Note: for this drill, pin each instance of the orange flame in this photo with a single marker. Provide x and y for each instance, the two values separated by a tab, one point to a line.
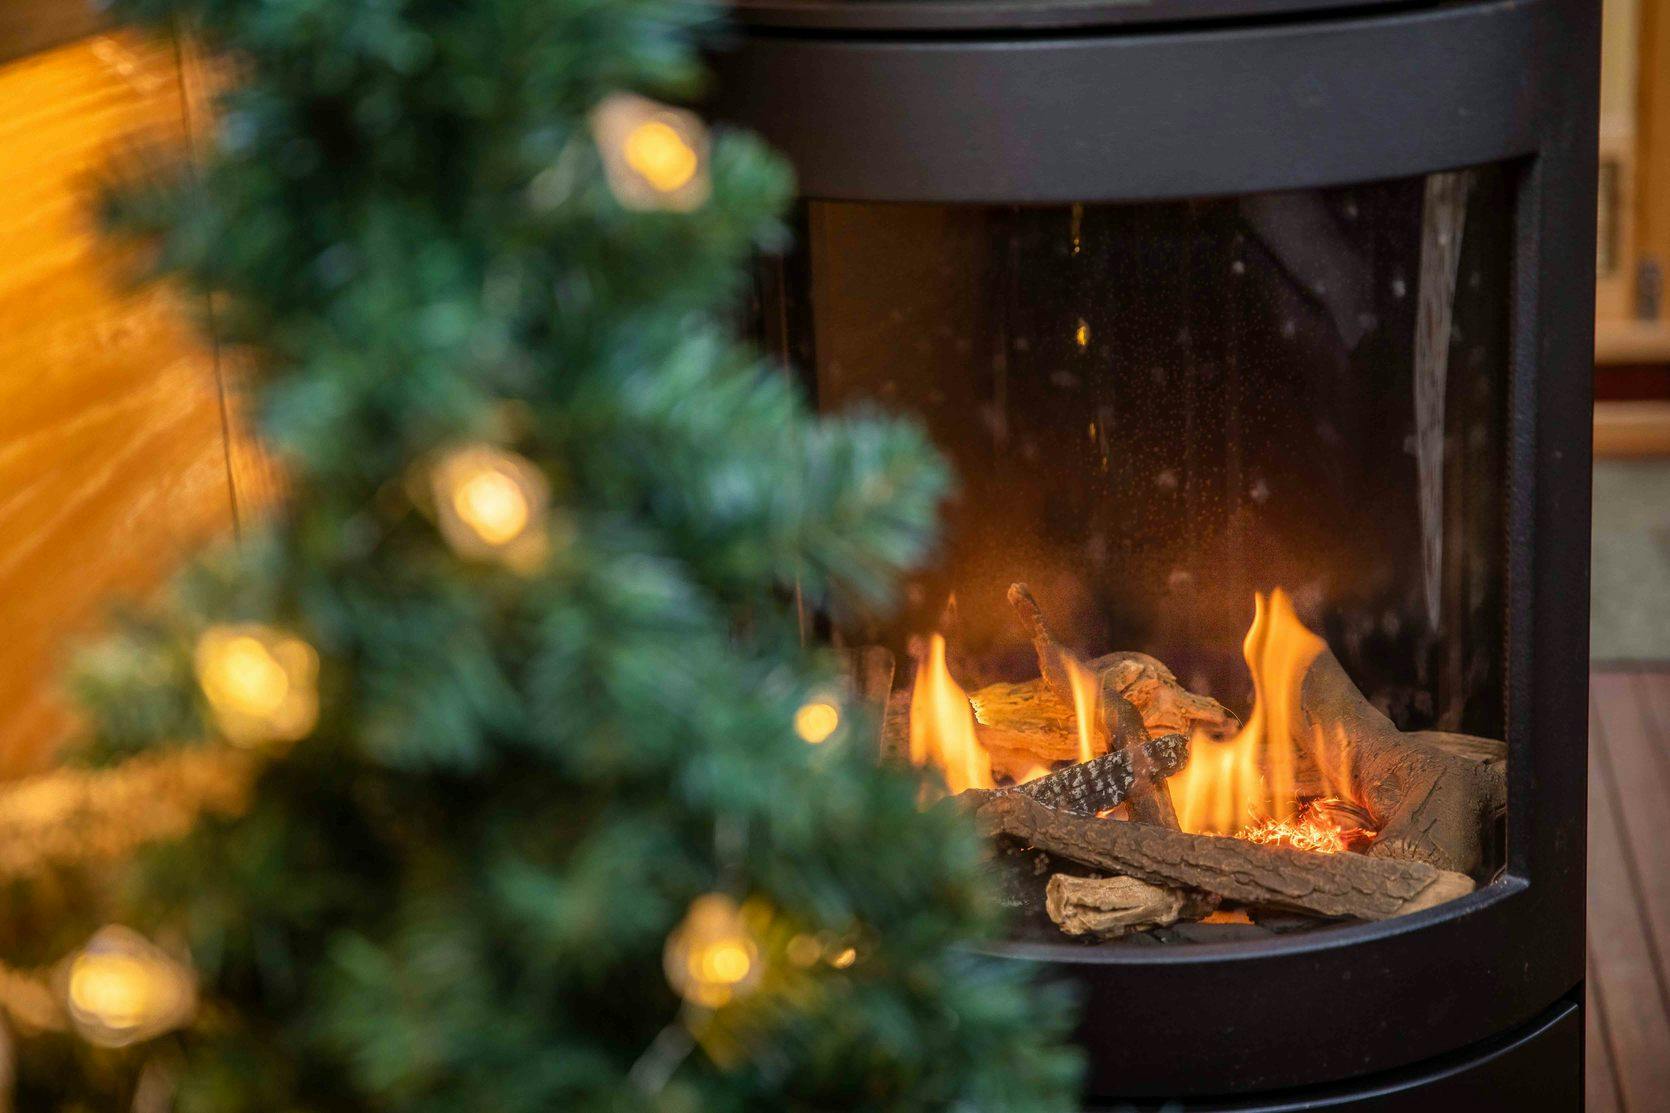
1087	691
942	725
1230	785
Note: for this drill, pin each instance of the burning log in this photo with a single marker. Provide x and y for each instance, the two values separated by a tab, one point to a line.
1148	798
1055	664
1321	884
1109	907
1166	706
1430	804
1101	783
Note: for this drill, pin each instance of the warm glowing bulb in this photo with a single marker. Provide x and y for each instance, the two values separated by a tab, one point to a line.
491	503
711	957
844	958
247	676
816	720
724	963
114	988
260	683
654	155
659	153
120	988
1081	335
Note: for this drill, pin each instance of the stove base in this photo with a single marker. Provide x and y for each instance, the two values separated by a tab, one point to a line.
1537	1067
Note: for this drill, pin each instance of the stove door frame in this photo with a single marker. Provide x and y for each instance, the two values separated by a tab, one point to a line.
1250	107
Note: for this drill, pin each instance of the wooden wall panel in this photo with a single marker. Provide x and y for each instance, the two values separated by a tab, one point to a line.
1652	198
113	452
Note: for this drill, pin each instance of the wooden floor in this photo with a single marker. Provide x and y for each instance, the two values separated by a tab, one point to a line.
1629	891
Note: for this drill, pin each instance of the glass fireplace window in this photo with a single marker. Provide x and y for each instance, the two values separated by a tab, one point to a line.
1168	419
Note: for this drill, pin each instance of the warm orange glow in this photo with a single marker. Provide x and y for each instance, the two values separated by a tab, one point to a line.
1249	779
711	958
942	725
1032	773
1086	687
661	155
1305	834
261	684
816	720
120	989
114	988
491	503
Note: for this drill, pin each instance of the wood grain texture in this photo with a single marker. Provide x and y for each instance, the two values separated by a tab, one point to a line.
1652	130
113	456
30	26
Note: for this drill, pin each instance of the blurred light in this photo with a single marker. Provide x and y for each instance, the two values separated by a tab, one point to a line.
261	684
654	155
816	720
711	957
844	958
803	950
491	504
121	988
661	155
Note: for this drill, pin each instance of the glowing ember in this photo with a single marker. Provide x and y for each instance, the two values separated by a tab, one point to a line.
1307	834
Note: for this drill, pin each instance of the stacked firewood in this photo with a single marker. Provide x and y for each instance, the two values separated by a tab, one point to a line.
1432	800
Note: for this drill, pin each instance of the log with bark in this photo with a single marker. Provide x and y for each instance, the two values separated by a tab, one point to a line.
1428	804
1350	885
1092	787
1148	800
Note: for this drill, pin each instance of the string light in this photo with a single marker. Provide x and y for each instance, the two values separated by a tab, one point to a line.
262	685
491	504
654	156
844	958
711	957
121	988
817	719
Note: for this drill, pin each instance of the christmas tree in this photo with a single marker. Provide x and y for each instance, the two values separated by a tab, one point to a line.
493	773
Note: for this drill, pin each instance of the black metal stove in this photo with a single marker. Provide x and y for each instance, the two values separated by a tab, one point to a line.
1205	297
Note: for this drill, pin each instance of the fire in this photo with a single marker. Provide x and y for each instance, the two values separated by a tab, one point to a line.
942	725
1231	785
1087	691
1248	786
1306	834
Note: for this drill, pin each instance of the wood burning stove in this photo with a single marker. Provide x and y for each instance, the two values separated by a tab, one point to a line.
1231	314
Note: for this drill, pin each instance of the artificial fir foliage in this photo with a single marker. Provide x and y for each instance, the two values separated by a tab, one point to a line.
549	807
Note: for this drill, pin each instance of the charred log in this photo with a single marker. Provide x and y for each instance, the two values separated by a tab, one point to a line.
1149	798
1322	884
1098	784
